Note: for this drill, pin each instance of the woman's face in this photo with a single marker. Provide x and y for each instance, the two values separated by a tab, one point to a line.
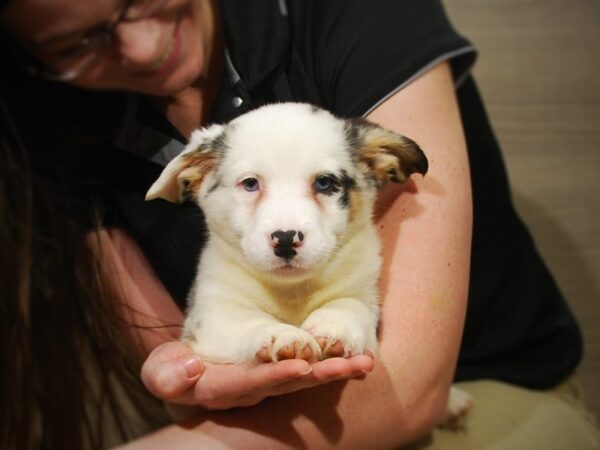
159	53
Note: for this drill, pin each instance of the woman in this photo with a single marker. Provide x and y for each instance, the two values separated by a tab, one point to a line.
397	64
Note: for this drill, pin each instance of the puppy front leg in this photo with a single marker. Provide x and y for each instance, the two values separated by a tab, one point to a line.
344	327
235	337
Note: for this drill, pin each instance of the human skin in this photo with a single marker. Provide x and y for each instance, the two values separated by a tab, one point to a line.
426	233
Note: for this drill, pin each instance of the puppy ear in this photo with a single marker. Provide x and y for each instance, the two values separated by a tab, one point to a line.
389	156
184	174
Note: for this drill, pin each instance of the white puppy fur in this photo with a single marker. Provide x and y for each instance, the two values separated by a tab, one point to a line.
292	260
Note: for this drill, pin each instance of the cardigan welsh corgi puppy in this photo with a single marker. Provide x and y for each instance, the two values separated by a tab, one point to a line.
292	261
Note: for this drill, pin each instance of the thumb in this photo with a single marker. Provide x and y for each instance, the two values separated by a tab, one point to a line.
171	369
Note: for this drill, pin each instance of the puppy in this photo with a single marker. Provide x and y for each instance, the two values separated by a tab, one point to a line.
292	260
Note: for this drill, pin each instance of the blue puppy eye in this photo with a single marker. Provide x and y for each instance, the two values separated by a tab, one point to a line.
324	184
250	184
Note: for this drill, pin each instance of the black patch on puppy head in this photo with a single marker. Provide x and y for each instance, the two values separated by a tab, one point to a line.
218	147
348	183
354	142
351	133
220	142
216	184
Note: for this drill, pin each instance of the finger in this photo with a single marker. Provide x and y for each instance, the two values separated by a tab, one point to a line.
264	376
326	371
339	368
171	369
222	385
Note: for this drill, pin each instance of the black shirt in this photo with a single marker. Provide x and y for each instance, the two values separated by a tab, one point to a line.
348	57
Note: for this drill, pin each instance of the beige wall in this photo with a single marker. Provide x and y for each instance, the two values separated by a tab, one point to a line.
539	73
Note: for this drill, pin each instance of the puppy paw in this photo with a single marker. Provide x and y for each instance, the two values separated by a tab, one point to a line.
332	347
283	341
459	404
338	338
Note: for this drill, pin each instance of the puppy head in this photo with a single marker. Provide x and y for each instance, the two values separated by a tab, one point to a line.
287	184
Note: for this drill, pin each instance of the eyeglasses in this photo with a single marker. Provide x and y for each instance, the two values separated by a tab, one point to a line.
71	62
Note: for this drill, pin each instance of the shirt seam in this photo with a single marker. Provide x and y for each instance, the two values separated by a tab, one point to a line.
432	63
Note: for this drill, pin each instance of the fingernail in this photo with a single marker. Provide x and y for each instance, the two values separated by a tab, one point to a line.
193	366
306	372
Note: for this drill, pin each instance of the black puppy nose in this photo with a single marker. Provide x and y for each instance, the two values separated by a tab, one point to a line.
285	242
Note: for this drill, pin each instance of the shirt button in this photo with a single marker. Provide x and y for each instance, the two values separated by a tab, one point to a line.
236	102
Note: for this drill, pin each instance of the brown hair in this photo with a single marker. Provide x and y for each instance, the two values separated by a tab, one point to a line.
69	377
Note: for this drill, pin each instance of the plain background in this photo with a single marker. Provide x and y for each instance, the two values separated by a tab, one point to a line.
539	74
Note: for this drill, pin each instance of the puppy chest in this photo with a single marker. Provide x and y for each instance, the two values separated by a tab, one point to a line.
293	304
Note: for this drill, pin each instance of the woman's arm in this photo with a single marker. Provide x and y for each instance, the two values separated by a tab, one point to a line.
152	316
426	229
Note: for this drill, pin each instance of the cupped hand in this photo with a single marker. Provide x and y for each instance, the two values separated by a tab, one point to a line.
173	373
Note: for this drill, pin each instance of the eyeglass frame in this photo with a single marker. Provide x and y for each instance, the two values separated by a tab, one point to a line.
104	34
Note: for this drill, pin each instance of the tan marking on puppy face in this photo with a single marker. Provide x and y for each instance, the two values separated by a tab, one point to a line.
356	205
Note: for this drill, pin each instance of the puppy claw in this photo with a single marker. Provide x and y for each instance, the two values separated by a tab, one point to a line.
295	350
307	353
287	352
263	354
331	348
336	350
287	342
322	342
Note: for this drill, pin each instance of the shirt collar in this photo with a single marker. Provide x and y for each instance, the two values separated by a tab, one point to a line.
143	140
257	37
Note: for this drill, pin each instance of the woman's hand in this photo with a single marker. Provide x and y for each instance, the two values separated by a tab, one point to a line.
173	373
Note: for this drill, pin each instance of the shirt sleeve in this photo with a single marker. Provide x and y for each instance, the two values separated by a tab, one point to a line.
360	52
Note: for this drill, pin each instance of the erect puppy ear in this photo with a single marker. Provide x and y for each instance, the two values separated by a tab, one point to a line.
184	174
388	155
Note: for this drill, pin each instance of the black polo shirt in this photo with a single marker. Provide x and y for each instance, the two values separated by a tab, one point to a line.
348	57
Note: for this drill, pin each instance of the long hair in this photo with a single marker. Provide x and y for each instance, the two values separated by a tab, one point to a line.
69	378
